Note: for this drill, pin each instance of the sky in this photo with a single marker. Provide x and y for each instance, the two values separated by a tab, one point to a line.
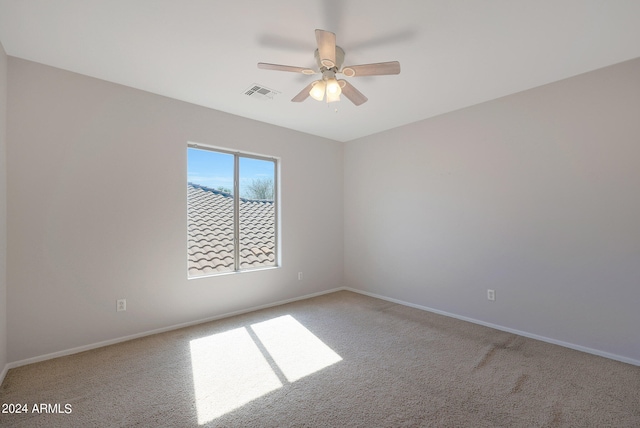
215	169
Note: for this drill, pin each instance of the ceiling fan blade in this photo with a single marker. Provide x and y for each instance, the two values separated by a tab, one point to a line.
303	94
326	47
377	69
354	95
278	67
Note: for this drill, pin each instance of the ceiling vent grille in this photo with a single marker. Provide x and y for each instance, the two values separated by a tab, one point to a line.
260	92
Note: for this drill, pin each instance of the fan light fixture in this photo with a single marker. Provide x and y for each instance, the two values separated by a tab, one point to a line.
333	90
329	87
318	89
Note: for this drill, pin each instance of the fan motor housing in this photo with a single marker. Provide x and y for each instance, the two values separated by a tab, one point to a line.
338	64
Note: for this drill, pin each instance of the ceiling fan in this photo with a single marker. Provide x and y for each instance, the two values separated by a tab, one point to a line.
329	58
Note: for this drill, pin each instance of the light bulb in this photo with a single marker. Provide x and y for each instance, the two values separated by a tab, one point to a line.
317	91
333	90
333	87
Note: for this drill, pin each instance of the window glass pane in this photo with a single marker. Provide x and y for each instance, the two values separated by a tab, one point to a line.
257	213
210	212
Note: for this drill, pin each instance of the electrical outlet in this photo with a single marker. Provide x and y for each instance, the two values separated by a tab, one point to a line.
491	295
299	276
121	305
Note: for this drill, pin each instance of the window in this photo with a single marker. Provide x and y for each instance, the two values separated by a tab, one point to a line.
231	211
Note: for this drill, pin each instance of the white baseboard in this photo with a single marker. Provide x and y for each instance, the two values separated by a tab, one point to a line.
83	348
503	328
4	373
78	349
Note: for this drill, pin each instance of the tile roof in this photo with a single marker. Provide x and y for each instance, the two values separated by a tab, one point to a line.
210	231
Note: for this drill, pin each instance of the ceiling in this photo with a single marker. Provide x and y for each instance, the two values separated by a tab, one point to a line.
453	53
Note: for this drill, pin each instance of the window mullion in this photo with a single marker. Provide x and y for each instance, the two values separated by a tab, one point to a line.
236	211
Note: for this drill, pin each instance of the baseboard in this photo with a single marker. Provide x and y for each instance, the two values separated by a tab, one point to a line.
83	348
4	373
503	328
78	349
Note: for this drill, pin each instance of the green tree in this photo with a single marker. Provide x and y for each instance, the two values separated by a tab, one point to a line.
260	189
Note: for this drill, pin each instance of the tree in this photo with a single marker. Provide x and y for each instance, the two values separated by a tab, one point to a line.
260	189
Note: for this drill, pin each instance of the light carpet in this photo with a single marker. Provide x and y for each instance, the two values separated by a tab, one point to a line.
338	360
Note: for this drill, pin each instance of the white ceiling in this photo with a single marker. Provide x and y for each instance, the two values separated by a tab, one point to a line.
453	53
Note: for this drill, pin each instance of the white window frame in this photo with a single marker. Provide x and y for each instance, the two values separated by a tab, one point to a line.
236	208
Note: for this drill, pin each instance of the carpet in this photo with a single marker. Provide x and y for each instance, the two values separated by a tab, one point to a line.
337	360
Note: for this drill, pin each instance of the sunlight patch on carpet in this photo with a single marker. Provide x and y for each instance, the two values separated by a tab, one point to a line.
295	350
232	368
229	370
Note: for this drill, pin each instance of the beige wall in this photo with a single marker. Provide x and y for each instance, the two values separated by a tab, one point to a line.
97	212
535	195
3	210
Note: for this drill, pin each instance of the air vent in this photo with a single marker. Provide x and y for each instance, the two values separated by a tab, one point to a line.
260	92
